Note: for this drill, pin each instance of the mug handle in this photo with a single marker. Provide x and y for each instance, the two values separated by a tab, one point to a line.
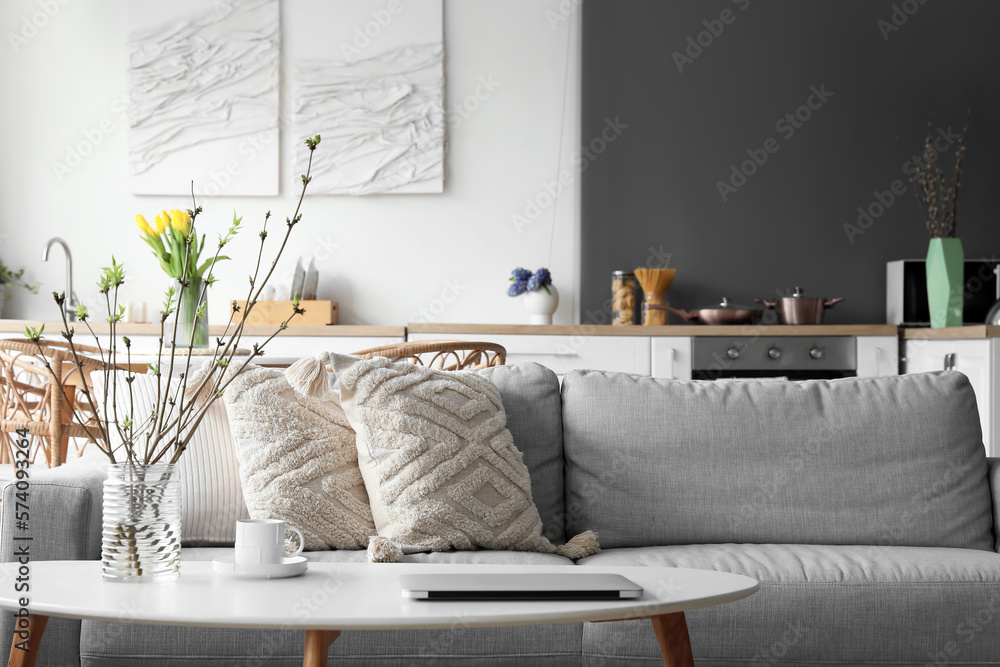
302	541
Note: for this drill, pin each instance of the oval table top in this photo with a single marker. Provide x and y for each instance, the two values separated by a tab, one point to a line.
346	596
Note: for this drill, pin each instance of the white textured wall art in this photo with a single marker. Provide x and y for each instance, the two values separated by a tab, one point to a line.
203	89
368	75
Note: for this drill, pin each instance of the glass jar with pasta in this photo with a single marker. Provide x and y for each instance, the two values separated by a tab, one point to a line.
623	297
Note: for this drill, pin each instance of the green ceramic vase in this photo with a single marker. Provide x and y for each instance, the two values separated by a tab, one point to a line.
945	282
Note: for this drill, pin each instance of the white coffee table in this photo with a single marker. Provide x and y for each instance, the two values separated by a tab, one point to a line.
350	596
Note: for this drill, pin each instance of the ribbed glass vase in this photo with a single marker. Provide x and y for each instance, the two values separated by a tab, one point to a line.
142	523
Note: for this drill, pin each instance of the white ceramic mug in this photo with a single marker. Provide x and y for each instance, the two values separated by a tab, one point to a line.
262	541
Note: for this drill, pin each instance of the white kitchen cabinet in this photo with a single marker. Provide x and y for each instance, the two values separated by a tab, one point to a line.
979	360
877	356
671	357
563	353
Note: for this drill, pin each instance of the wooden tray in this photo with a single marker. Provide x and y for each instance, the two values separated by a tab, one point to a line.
275	312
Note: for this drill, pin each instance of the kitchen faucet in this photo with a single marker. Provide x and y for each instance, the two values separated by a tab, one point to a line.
70	304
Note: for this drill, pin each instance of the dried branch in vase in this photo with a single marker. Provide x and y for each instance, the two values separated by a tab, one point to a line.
937	200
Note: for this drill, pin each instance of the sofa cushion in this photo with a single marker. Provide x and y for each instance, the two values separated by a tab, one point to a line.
120	644
530	395
890	461
297	459
208	472
823	605
441	467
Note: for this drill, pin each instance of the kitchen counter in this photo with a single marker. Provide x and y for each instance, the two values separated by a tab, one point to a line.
976	331
147	329
669	330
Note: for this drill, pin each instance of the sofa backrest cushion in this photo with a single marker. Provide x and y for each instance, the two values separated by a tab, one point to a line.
530	395
877	461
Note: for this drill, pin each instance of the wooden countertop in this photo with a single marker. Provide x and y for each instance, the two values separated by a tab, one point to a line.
132	329
952	333
669	330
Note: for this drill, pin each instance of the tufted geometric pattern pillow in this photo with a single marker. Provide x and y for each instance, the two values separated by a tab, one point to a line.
297	459
440	466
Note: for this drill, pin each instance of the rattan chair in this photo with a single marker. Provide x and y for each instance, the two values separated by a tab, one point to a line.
448	355
30	398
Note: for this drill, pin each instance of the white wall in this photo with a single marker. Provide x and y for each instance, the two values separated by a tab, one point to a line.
384	258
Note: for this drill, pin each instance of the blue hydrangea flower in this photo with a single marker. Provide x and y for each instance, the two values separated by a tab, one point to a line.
520	275
534	284
517	288
544	277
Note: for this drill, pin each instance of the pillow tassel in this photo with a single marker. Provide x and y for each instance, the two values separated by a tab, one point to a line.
383	550
582	545
308	376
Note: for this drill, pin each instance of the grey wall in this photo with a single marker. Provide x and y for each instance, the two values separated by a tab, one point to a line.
655	184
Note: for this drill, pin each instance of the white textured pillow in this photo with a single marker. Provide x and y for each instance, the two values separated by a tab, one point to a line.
211	494
440	465
297	457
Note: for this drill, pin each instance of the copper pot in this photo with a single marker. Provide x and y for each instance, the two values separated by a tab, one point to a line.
723	313
801	309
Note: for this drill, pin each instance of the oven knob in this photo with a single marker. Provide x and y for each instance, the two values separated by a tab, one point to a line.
733	352
774	353
816	353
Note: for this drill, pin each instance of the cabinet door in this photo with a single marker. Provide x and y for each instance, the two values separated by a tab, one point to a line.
878	356
671	358
626	354
976	359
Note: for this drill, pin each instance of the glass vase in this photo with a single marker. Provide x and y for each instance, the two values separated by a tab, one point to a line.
142	523
187	308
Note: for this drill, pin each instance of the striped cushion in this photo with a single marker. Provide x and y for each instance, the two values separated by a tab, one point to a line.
211	494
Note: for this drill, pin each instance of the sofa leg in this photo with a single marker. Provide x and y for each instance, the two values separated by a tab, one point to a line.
24	652
675	644
317	644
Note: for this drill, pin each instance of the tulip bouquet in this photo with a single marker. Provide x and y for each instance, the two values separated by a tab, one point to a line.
168	237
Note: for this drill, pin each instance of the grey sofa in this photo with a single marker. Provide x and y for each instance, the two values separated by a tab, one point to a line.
865	507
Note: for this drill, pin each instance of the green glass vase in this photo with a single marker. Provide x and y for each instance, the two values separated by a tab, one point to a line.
945	282
188	322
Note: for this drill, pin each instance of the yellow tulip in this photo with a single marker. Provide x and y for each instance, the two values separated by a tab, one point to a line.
143	226
160	224
180	221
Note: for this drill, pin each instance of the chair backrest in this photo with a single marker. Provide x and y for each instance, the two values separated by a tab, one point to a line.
448	355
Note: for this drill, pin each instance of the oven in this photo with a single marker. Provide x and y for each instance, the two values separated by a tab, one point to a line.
773	357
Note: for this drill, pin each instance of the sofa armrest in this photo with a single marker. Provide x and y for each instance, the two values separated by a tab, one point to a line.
993	474
64	523
64	510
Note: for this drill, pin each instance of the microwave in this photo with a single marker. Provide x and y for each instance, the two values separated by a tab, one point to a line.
906	292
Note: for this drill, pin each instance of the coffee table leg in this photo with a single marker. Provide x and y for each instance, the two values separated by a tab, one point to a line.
21	658
675	644
317	643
